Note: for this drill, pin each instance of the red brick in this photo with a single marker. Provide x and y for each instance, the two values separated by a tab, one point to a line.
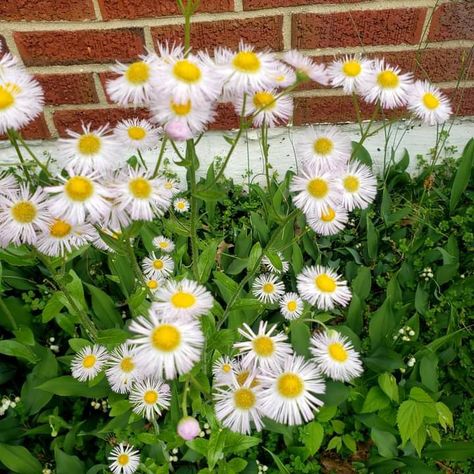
451	21
46	10
104	78
256	4
462	100
226	118
3	46
72	119
334	109
131	9
376	27
35	130
45	48
68	88
264	32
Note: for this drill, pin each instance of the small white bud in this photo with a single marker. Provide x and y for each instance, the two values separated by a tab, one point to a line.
175	450
402	370
206	426
411	333
52	339
13	404
401	331
202	434
17	399
411	362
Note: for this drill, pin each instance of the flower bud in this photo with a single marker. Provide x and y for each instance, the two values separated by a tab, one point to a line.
188	428
178	131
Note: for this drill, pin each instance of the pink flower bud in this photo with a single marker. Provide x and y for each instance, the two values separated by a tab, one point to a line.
178	131
188	428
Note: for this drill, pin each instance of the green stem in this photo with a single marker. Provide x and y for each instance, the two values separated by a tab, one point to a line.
255	268
12	137
265	154
191	156
136	268
10	317
160	157
184	402
35	159
140	156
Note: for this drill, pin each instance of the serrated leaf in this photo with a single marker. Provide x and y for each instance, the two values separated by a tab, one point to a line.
375	400
388	384
409	419
418	439
312	436
445	417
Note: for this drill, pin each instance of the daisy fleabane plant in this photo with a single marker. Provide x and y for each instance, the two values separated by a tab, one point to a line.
124	459
88	362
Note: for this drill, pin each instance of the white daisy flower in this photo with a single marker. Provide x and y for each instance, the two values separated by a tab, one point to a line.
154	284
140	195
335	356
306	67
89	151
223	371
136	134
149	397
284	76
8	185
21	99
122	368
181	205
289	391
163	243
134	84
183	299
359	186
246	70
117	218
171	185
79	196
268	265
388	85
238	406
325	147
291	306
158	267
323	287
330	222
124	459
195	114
22	215
88	362
264	348
167	348
268	288
316	191
8	62
350	72
62	237
429	103
186	77
266	107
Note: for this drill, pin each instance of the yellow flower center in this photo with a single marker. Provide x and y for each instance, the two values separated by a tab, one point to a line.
226	368
59	228
280	78
123	459
164	245
246	61
150	397
6	98
291	305
138	73
183	300
387	79
136	133
79	188
127	364
337	352
318	188
268	288
140	188
158	264
263	346
244	398
181	109
24	212
329	216
187	71
323	146
242	378
180	205
263	100
168	185
89	361
152	284
431	101
351	184
89	144
166	338
325	283
290	385
351	68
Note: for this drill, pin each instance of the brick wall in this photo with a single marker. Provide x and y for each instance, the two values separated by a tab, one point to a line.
70	44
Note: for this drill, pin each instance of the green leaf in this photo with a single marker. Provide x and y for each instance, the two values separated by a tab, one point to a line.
112	336
355	318
445	417
409	419
255	254
312	436
226	285
372	239
388	384
362	283
18	459
236	465
421	300
207	260
361	154
275	259
335	443
236	442
429	371
67	386
350	443
434	434
215	447
300	336
463	175
260	227
451	451
25	335
77	344
419	395
67	464
199	445
418	439
53	307
386	443
12	348
106	313
375	400
281	467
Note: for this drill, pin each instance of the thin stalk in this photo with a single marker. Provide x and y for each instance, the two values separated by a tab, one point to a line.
140	156
10	317
191	155
12	137
35	159
265	154
160	157
184	401
136	268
